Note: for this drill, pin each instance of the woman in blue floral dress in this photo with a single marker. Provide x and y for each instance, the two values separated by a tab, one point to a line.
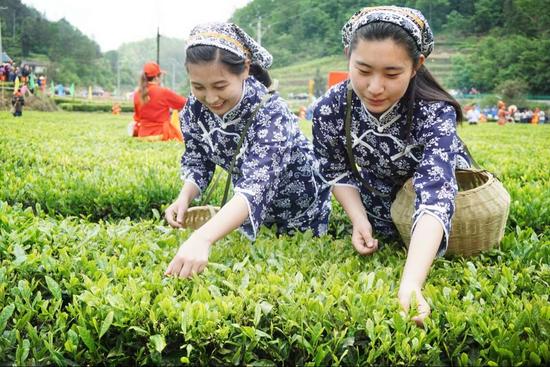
276	178
402	125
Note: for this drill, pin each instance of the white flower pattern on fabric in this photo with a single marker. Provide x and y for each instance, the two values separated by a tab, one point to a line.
276	170
429	157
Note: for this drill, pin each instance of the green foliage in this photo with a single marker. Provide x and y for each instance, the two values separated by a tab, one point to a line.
74	58
55	167
308	29
513	91
93	107
75	291
495	60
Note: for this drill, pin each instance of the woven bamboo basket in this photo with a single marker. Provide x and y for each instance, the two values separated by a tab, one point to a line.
482	205
196	216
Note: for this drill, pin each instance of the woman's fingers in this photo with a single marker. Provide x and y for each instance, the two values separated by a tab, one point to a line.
359	243
169	216
180	215
364	243
185	270
197	268
423	312
422	306
174	267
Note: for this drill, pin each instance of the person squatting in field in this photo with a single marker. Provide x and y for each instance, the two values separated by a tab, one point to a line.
152	104
403	124
276	179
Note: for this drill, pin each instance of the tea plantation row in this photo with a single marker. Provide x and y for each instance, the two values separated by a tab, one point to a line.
83	250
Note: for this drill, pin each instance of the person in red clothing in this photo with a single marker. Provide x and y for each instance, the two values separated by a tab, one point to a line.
152	104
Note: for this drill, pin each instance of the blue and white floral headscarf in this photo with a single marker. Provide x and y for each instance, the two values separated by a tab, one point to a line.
230	37
411	20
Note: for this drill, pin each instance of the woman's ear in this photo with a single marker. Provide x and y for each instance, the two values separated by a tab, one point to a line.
421	60
246	71
346	52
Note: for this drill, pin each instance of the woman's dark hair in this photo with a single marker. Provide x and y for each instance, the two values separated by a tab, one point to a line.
423	85
235	64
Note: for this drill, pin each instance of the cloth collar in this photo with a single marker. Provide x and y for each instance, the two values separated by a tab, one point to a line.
237	110
251	94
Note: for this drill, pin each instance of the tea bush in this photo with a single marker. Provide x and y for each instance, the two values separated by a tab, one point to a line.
83	250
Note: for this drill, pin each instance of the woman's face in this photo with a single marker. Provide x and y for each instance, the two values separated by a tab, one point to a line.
380	72
215	86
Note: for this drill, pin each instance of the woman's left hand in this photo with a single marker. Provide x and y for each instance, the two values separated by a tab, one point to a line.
405	295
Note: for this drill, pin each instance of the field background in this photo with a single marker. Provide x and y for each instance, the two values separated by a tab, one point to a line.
83	249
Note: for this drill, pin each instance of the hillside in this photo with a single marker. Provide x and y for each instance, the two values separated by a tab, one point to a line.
293	79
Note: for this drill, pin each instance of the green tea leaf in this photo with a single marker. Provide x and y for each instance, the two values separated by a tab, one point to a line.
53	287
106	324
159	343
20	255
22	352
5	316
87	338
139	330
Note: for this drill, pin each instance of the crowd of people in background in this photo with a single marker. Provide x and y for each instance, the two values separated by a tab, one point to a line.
25	83
23	77
504	114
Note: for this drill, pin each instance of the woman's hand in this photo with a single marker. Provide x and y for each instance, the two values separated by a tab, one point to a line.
191	258
406	294
361	237
175	213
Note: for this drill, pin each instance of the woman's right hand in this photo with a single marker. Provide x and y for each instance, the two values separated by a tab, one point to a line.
175	213
361	237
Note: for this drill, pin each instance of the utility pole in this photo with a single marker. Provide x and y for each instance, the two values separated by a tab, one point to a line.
173	75
118	75
158	46
259	31
1	51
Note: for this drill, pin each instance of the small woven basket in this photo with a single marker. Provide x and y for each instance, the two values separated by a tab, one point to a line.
482	205
196	216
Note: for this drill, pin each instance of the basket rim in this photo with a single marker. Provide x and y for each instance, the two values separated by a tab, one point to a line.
407	186
202	207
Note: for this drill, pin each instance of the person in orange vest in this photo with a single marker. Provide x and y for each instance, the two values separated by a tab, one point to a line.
116	109
152	104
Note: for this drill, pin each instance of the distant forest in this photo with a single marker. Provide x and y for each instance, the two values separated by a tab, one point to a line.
75	58
507	40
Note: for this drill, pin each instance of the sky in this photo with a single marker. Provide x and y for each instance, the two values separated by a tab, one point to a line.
111	23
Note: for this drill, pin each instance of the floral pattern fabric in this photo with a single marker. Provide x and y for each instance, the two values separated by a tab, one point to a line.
275	171
230	37
411	20
386	158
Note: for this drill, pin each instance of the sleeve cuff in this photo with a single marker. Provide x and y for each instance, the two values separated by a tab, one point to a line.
249	228
191	181
346	185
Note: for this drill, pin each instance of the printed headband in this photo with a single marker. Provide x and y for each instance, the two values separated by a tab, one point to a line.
411	20
230	37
